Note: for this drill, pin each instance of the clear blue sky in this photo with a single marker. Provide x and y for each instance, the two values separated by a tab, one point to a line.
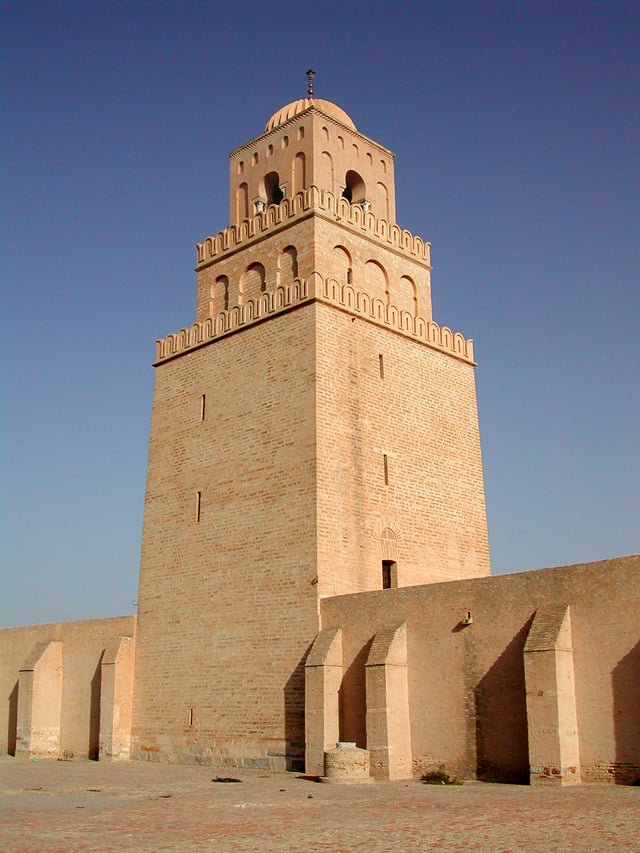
516	132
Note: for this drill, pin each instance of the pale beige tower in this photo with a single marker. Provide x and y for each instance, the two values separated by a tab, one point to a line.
313	433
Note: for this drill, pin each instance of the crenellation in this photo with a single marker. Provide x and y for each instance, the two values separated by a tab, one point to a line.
305	202
316	288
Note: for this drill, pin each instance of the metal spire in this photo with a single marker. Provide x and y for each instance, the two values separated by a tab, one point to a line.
310	75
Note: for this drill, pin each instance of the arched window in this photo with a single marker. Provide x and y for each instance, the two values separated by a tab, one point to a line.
272	191
355	190
389	544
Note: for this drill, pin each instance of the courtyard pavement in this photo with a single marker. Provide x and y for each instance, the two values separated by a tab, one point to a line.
84	805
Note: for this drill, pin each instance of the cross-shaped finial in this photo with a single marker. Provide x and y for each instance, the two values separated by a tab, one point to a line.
310	76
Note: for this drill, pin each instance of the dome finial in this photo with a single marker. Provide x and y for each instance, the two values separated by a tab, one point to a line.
310	75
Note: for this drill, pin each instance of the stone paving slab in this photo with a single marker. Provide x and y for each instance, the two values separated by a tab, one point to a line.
83	805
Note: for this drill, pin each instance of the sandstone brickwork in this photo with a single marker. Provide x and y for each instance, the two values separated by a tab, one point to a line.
473	694
50	678
313	423
315	561
227	602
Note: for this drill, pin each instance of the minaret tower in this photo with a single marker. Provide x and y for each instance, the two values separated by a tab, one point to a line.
313	433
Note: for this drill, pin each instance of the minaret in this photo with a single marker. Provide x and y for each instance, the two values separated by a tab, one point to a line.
313	433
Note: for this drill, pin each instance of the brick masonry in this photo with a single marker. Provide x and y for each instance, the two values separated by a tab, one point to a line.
314	437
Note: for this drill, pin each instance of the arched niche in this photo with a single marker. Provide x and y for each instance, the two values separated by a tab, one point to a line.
288	265
376	281
298	176
220	295
342	264
242	201
253	282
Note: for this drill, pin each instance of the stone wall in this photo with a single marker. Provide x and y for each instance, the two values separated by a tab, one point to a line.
399	461
524	677
227	601
51	684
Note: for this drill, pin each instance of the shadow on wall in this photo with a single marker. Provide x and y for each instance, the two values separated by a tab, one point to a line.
94	712
626	718
294	717
12	734
352	700
502	743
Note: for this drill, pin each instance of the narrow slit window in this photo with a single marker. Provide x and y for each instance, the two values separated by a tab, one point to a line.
389	574
385	465
381	363
190	716
198	505
203	407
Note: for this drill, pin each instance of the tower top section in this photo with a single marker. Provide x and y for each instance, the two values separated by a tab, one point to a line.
310	143
293	109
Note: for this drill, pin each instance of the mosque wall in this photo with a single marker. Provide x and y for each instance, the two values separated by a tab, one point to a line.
314	439
494	699
51	686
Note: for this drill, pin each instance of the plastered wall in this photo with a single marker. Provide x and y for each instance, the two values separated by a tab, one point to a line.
78	715
467	690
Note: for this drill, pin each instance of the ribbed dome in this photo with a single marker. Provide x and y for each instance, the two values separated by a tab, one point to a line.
292	109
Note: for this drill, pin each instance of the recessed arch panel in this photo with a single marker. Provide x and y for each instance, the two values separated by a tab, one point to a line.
252	282
327	176
242	201
288	265
220	295
342	264
376	281
383	201
298	176
405	296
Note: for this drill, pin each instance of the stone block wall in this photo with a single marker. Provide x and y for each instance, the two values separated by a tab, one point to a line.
51	686
399	461
476	698
227	600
